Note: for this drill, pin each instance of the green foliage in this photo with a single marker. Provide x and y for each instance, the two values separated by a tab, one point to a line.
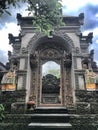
55	72
5	4
47	14
1	112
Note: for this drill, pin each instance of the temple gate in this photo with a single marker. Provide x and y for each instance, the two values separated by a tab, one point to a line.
51	81
66	47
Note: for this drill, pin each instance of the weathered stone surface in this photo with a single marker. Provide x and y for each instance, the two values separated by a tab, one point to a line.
87	102
78	122
10	97
83	108
86	96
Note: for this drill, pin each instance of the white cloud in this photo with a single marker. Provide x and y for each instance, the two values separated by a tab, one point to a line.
97	41
70	6
86	32
9	28
96	15
77	3
95	32
50	65
96	62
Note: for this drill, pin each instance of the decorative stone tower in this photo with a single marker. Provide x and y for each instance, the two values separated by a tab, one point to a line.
67	47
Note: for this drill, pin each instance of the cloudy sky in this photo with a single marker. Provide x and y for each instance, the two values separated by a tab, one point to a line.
8	24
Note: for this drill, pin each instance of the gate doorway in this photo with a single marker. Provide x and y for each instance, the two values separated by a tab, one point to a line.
50	63
51	84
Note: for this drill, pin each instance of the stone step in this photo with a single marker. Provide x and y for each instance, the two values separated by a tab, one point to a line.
50	118
50	110
65	126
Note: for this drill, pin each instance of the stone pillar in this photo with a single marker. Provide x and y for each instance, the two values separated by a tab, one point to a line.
28	79
73	75
79	65
22	64
20	83
26	39
81	82
21	75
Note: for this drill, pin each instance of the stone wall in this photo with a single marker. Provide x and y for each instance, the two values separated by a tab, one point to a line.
13	100
21	121
86	102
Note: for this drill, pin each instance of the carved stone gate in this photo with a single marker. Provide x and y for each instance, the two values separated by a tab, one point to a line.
50	90
67	48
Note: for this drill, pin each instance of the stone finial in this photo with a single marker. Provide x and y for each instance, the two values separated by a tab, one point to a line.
19	17
81	18
89	37
14	39
11	38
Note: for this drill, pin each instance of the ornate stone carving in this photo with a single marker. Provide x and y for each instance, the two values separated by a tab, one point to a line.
50	84
77	50
67	60
33	40
50	53
24	50
86	62
33	61
67	39
68	93
61	34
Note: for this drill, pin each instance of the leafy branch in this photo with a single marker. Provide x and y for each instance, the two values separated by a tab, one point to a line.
5	4
47	14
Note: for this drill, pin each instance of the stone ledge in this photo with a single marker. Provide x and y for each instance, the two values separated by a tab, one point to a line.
50	125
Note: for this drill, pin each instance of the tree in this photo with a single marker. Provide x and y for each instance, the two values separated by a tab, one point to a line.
5	4
47	13
55	72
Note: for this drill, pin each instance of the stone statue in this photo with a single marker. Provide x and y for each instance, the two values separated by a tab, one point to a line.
8	81
90	79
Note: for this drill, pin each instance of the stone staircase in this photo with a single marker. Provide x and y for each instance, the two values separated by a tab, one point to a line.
50	118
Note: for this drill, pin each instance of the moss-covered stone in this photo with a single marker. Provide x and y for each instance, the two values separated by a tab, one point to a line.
7	98
13	126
